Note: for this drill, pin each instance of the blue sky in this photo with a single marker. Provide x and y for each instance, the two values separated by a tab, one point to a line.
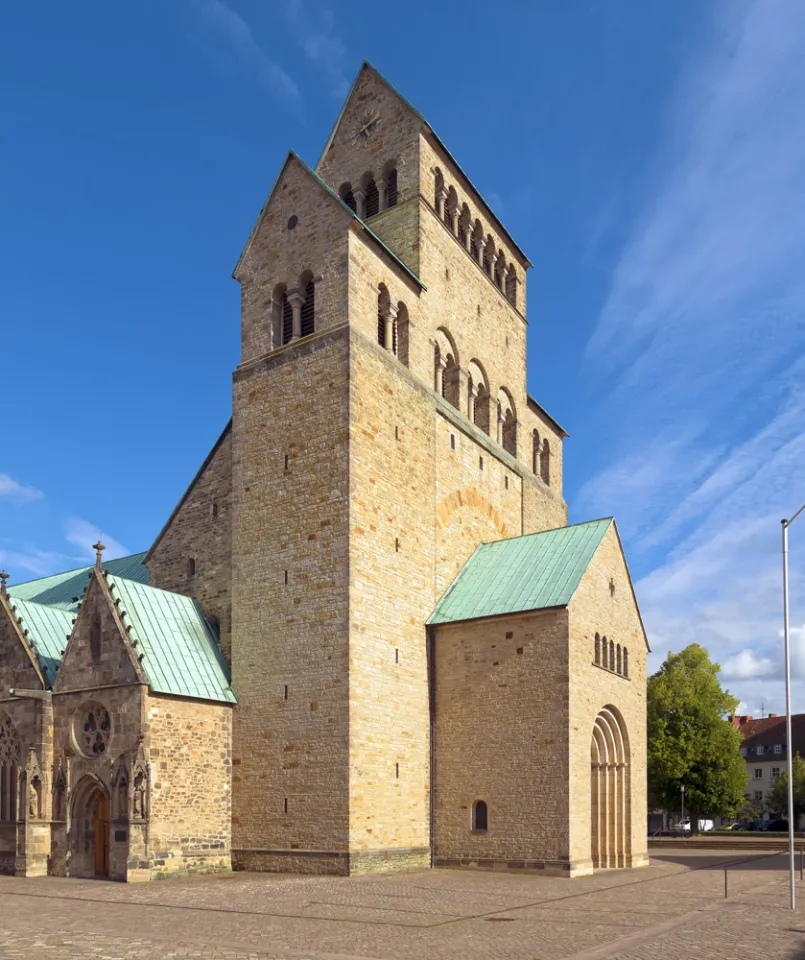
648	156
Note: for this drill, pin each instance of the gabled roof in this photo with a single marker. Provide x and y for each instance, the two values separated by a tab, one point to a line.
179	648
533	403
368	66
535	572
47	631
60	589
312	173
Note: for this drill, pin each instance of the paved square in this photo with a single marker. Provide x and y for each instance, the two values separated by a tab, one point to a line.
672	910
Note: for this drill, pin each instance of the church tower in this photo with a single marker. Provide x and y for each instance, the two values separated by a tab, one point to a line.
381	431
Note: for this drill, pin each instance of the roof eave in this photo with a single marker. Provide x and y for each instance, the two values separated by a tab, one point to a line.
530	400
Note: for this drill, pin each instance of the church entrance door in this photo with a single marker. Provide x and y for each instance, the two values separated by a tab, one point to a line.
102	825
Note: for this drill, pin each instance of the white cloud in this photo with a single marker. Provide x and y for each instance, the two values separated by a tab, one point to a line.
10	489
700	340
33	563
82	534
747	665
234	35
315	32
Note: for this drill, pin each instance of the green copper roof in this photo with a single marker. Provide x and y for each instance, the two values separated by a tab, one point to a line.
48	629
60	589
533	572
180	650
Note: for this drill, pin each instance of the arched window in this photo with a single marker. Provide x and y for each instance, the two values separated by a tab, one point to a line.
464	226
383	305
500	268
598	650
451	209
489	252
9	764
535	451
450	381
626	661
308	317
287	318
191	566
401	330
511	286
475	238
619	661
391	188
611	654
95	636
480	815
507	422
545	462
372	202
348	196
604	653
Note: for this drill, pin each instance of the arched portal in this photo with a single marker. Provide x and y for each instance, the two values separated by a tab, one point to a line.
610	797
90	827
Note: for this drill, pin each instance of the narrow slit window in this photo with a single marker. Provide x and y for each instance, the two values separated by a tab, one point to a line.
480	815
287	319
191	566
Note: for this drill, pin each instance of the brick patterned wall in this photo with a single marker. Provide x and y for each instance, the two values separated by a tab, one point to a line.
611	613
201	528
501	720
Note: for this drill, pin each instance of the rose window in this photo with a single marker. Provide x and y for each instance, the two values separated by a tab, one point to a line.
93	730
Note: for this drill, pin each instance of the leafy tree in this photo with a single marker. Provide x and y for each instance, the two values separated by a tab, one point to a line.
777	797
689	740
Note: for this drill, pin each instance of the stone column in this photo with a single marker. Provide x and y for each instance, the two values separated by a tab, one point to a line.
441	196
360	202
440	368
388	328
296	300
380	183
480	244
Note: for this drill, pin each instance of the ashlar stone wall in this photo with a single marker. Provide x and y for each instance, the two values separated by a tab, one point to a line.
501	715
604	604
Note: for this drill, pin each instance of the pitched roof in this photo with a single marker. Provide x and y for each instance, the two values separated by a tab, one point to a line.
368	66
60	589
367	229
534	572
47	630
179	648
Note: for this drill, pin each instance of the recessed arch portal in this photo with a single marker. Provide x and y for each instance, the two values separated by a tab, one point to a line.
610	795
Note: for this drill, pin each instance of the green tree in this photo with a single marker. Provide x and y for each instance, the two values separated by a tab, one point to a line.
689	740
777	797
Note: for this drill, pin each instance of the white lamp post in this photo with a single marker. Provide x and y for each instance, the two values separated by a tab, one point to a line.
682	788
789	745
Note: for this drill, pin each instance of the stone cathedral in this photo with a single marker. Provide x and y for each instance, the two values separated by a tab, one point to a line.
366	638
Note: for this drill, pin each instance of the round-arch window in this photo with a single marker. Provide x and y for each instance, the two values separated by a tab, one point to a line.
293	222
92	729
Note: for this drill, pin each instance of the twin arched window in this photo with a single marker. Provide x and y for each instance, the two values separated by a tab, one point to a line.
371	195
541	457
10	754
294	310
392	325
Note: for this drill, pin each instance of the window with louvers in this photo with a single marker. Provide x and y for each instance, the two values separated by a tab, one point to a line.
309	310
381	326
287	319
391	189
372	199
448	217
462	234
474	249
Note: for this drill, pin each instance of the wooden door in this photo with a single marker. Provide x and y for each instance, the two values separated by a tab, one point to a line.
102	837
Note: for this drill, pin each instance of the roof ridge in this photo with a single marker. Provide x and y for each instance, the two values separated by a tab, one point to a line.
64	573
539	533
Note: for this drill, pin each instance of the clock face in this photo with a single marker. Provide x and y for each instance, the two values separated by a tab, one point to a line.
366	127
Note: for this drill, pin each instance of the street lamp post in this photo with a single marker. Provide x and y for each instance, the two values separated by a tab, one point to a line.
789	745
682	788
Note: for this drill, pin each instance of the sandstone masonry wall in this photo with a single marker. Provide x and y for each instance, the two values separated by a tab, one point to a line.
501	718
604	604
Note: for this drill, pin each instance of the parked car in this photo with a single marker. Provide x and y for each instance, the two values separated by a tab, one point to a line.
684	826
775	825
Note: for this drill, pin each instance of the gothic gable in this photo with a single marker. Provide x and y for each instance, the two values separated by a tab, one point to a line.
18	662
99	652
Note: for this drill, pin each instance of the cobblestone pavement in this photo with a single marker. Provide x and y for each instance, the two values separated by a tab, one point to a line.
673	910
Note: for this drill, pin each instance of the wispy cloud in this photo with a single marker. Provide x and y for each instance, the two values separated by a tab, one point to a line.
11	489
701	338
235	40
82	534
315	31
24	563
